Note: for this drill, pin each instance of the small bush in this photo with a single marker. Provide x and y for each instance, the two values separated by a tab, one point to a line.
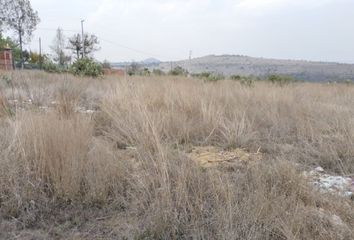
236	77
215	77
244	80
51	67
86	67
280	79
158	72
178	71
145	72
202	75
208	76
133	69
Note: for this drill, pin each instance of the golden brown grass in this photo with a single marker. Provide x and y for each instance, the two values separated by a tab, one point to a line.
124	172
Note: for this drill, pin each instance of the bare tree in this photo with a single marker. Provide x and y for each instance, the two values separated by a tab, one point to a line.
75	45
58	48
90	42
19	16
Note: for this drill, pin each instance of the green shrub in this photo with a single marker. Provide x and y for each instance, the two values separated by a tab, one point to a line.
178	71
51	67
244	80
86	67
158	72
215	77
248	82
145	72
204	75
208	76
348	82
236	77
134	69
280	79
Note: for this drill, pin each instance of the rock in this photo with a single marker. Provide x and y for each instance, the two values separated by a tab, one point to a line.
325	183
349	194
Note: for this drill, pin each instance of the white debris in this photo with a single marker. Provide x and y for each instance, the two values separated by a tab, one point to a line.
84	110
89	111
348	194
131	148
13	101
325	183
44	108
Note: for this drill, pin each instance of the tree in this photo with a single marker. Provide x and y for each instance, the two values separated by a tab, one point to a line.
90	42
58	48
19	16
2	17
75	45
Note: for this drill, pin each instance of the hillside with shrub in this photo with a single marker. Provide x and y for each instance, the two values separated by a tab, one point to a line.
261	67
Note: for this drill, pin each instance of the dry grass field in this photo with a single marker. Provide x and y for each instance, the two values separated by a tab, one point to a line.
113	158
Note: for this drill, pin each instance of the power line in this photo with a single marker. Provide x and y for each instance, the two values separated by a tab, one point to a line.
112	43
133	49
55	29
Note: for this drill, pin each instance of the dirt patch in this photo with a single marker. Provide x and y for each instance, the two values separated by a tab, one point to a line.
213	157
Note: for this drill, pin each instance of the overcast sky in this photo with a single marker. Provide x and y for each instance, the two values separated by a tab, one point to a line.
169	29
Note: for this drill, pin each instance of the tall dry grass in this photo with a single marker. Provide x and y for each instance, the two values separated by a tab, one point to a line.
123	172
311	123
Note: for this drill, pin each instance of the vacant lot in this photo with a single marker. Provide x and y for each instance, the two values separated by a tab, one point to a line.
171	158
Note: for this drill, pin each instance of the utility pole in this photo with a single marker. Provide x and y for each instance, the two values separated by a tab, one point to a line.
21	49
40	54
82	38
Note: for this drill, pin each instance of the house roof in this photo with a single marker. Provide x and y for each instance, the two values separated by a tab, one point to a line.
6	47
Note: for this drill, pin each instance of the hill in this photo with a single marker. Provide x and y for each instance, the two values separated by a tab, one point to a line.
244	65
149	62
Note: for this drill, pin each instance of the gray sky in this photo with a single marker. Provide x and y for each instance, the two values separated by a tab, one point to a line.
168	29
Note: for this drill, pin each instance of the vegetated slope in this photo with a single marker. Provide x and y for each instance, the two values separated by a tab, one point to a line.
244	65
149	62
